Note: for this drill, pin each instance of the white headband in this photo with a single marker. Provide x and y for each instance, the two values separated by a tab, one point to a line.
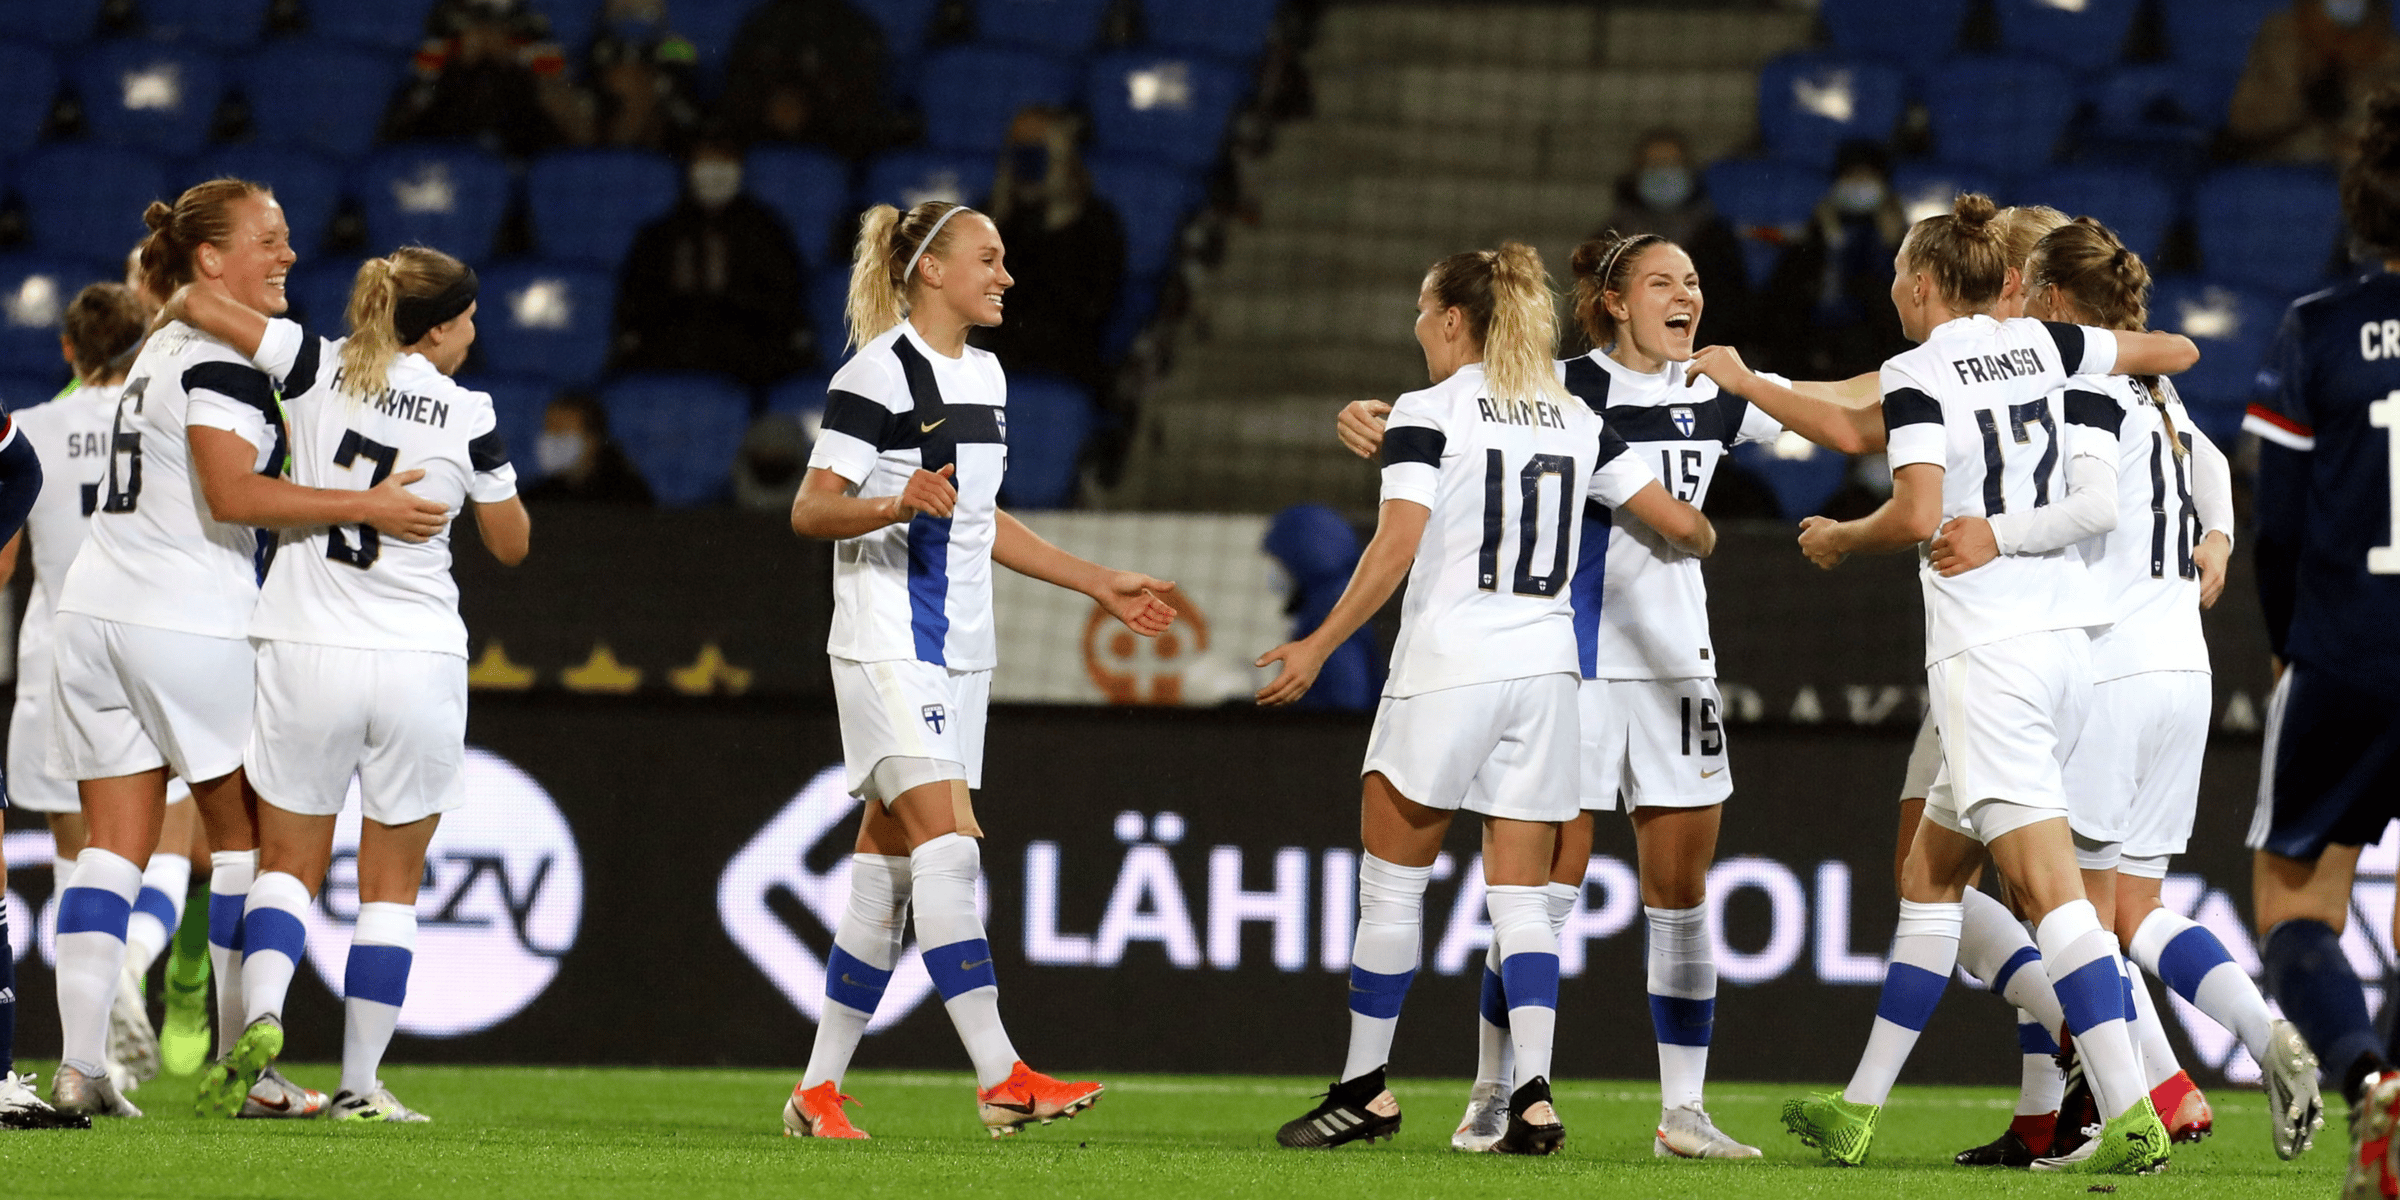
930	234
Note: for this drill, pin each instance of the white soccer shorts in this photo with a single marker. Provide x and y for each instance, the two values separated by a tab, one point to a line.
1924	760
1653	743
2009	713
1504	749
31	786
904	708
2133	780
397	719
128	698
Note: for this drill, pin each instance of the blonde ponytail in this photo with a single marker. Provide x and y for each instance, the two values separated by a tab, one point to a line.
394	301
883	263
1505	296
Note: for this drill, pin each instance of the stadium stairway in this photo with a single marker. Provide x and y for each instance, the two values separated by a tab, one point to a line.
1436	128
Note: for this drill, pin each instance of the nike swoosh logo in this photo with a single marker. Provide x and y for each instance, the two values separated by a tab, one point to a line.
977	963
1712	774
932	427
278	1105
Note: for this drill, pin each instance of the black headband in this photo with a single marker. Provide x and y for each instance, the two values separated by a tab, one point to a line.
414	315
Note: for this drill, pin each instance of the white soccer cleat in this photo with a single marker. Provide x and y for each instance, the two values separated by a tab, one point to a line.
378	1105
275	1098
72	1091
2293	1103
132	1040
23	1108
1687	1132
1486	1119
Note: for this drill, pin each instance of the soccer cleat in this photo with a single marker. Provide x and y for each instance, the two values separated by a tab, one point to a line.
2184	1110
132	1040
1355	1110
2078	1113
225	1088
817	1112
275	1098
183	1040
2007	1150
2134	1143
1533	1124
2293	1103
1028	1095
1486	1119
1840	1129
378	1105
78	1094
1687	1132
2373	1175
23	1108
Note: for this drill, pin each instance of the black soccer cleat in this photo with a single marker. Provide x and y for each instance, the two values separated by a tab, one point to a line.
2007	1150
1355	1110
2078	1113
1533	1125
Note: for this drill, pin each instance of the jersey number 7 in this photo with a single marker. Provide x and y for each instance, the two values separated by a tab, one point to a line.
370	544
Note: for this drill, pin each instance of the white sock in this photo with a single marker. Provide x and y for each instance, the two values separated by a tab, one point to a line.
1494	1063
1528	950
1383	957
1683	1001
942	874
1994	947
866	945
374	985
157	911
2041	1085
2084	970
274	937
92	911
229	876
1924	952
2193	963
2149	1034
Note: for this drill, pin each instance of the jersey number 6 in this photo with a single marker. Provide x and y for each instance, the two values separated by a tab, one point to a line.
1495	499
126	489
370	543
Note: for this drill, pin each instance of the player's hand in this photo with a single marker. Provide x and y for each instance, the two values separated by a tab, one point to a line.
1820	541
1136	599
2210	556
1301	661
1721	365
1963	544
928	492
1360	426
397	512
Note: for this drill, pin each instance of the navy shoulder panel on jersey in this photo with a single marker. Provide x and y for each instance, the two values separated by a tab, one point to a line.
489	452
1587	381
1611	446
2094	410
2069	339
861	418
1414	444
1908	406
233	381
304	366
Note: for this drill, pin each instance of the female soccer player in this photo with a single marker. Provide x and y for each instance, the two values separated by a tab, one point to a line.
153	660
1480	708
905	482
362	658
20	1106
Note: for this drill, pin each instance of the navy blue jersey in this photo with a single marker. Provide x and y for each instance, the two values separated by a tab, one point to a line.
2327	413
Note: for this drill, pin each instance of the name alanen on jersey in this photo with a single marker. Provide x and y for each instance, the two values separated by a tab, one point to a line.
1539	413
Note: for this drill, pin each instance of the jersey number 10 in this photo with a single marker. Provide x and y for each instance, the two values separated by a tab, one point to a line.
1529	527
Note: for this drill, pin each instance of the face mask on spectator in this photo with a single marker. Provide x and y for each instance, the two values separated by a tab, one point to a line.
1663	186
2346	12
556	452
1857	196
715	181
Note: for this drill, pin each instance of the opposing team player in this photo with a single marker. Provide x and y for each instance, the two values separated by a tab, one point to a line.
20	1106
153	660
905	482
1479	713
2327	415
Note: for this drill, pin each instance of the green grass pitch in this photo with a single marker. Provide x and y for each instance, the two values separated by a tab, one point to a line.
595	1134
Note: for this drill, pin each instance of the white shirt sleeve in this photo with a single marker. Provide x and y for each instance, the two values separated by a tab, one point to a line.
2084	349
2212	481
2089	507
279	350
243	416
862	408
1757	425
1414	445
1912	421
492	481
1620	475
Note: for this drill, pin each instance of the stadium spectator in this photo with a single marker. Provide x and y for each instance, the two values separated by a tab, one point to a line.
579	461
713	285
1066	247
809	71
1661	193
1831	289
489	71
641	75
2303	94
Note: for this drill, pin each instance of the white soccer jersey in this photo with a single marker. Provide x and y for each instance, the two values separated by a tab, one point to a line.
154	556
2143	568
347	585
1976	399
1507	481
70	435
1641	605
921	589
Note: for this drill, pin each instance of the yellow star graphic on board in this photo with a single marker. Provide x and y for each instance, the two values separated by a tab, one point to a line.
602	673
494	671
708	673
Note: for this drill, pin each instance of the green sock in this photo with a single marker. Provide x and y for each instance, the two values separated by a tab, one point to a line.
187	958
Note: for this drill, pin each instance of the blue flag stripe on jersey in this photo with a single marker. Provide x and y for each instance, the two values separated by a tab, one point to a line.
2070	345
1908	406
1585	591
2093	410
928	537
1414	444
1656	423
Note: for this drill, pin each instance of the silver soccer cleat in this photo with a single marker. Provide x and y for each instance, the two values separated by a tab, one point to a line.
132	1040
23	1108
377	1105
275	1098
72	1091
2293	1103
1687	1132
1486	1119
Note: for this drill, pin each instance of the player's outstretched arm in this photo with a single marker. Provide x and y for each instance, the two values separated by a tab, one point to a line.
1381	567
506	529
1845	417
1129	596
237	495
2154	353
824	507
1360	426
1909	517
211	311
2089	509
1675	520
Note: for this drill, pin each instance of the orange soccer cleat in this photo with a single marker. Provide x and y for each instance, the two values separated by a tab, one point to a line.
817	1112
1028	1095
2183	1108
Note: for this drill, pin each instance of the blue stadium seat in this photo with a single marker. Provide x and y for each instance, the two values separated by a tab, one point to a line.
308	186
2142	100
389	24
802	397
711	25
34	292
2271	227
2215	35
2138	205
1048	421
1163	106
572	24
1809	104
58	22
1057	26
682	430
149	94
1136	304
322	95
2233	326
1767	202
1927	189
2003	114
449	197
229	23
28	86
905	24
969	94
25	391
1911	33
319	291
1802	484
86	201
827	298
519	402
1152	198
2083	34
547	319
907	178
1231	29
587	205
810	190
